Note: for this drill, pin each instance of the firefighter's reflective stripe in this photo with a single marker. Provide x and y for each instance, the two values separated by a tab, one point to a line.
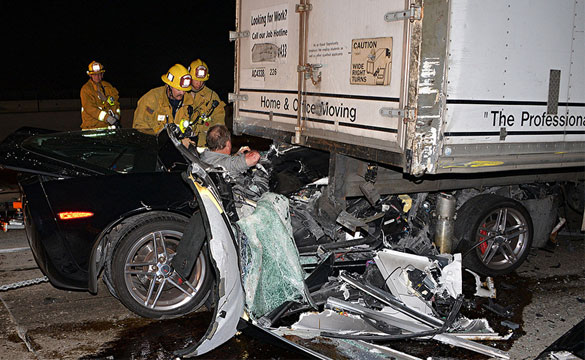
102	115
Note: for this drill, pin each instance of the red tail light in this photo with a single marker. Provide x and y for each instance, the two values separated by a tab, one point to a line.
69	215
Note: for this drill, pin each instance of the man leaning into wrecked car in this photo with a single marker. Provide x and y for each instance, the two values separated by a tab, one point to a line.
219	149
165	104
100	103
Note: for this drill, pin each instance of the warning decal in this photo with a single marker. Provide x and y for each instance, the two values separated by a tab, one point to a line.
371	61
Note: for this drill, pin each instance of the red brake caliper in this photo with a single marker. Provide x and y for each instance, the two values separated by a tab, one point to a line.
483	246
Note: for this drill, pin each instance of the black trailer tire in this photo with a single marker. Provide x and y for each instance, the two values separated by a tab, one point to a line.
495	234
140	269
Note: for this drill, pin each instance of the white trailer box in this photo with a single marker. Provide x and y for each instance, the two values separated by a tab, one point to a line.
431	87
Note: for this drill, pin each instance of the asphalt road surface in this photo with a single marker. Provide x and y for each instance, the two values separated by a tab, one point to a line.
545	298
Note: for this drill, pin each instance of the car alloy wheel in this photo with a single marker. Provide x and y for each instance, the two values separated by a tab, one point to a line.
149	277
501	238
142	276
495	234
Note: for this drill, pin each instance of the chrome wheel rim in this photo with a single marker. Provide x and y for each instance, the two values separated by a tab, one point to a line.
502	238
148	275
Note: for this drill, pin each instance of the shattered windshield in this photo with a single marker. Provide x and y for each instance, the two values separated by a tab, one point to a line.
271	271
122	151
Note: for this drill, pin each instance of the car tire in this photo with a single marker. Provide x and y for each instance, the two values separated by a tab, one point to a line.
140	275
495	234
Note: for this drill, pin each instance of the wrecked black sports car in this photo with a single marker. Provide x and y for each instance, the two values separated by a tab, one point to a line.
95	199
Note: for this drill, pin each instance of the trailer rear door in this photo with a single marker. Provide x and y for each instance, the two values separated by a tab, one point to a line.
328	74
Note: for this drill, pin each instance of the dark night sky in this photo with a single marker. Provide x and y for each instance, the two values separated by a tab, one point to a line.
47	46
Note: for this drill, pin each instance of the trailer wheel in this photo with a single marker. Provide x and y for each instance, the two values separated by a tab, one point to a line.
495	234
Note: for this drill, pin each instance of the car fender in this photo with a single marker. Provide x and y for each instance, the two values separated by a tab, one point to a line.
228	291
107	239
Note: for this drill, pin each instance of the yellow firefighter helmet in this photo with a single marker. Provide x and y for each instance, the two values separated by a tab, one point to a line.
95	68
178	77
199	70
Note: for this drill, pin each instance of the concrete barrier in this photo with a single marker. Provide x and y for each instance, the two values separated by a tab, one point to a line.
60	115
54	120
28	106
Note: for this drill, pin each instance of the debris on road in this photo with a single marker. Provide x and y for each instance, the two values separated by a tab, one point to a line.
510	324
398	296
483	288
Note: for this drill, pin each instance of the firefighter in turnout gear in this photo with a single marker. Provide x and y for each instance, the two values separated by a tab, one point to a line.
100	102
203	98
165	104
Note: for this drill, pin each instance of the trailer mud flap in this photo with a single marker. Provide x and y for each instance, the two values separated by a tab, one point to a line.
228	291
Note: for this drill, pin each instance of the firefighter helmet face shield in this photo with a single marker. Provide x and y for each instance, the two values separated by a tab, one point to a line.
178	77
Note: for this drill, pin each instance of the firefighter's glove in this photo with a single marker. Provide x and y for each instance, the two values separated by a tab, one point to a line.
111	120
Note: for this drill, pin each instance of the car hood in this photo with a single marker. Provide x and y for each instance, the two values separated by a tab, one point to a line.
14	157
78	153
